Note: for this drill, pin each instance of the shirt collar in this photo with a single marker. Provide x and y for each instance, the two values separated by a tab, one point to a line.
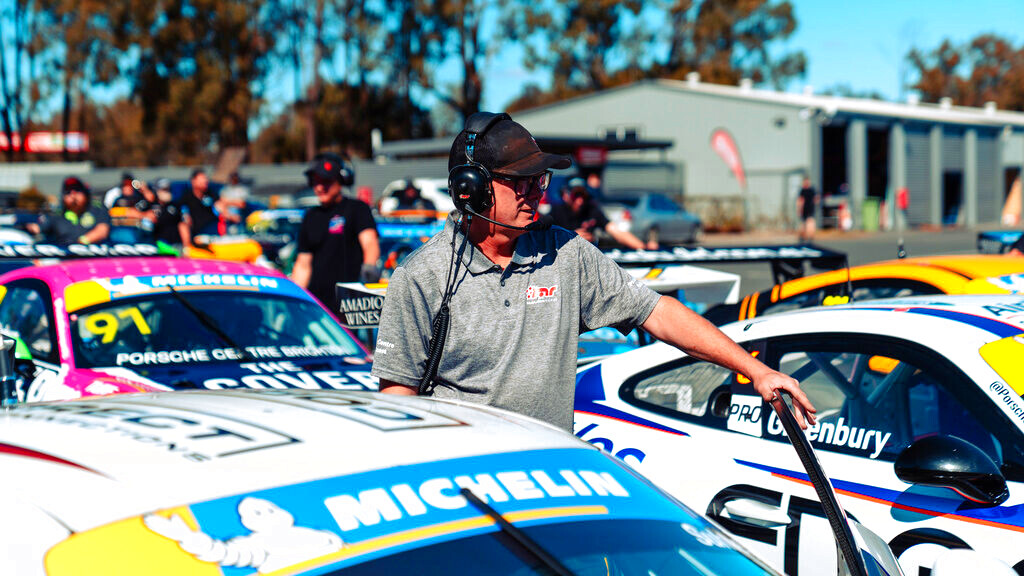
526	251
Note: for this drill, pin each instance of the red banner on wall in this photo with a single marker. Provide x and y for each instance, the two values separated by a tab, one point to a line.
591	156
48	142
723	144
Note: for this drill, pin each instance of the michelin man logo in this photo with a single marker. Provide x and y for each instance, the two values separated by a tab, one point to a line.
274	543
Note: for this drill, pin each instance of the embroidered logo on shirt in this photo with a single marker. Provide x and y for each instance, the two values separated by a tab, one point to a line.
336	225
535	294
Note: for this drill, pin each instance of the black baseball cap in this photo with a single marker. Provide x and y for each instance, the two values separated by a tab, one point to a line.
330	166
506	148
74	184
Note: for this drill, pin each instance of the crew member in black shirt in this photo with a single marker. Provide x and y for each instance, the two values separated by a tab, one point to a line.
338	239
168	215
202	210
78	221
580	213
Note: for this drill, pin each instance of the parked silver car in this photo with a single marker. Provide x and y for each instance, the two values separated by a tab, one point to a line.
653	216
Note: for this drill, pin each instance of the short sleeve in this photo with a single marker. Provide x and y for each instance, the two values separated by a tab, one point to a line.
101	215
609	296
404	332
363	218
598	216
303	243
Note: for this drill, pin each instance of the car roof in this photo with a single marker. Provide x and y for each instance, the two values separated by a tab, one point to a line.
954	325
950	273
135	453
71	271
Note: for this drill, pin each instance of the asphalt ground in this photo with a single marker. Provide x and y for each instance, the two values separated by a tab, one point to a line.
860	248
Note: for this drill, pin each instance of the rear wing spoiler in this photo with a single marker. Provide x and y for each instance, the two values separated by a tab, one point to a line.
359	304
787	261
398	229
997	242
71	251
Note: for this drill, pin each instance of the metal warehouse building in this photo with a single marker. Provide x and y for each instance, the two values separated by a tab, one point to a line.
957	163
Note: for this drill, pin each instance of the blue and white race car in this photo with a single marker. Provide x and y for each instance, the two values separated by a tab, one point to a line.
920	425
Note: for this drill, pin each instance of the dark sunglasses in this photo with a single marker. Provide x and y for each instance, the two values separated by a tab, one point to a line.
541	181
313	181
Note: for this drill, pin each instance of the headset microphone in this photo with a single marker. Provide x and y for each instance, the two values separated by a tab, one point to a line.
542	223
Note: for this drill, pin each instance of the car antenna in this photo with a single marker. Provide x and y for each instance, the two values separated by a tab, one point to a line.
849	282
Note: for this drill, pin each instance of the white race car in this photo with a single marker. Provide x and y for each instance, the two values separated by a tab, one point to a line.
920	426
327	482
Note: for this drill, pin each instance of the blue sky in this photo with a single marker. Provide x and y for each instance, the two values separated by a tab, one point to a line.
858	43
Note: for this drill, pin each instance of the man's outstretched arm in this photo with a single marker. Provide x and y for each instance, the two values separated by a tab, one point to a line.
675	324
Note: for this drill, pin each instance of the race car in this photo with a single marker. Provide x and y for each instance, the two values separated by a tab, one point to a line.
959	274
920	425
302	482
107	325
998	241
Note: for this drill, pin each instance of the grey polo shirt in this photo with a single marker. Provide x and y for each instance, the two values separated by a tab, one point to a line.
513	333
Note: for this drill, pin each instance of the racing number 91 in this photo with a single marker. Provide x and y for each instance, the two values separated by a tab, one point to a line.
106	324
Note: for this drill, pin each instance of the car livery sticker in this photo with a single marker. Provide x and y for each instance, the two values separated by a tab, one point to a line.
1005	517
90	292
997	327
590	397
324	525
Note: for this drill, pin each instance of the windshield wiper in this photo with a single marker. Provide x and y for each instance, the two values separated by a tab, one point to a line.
523	542
210	324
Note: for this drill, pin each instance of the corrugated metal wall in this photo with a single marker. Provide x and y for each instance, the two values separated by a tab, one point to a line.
989	184
918	174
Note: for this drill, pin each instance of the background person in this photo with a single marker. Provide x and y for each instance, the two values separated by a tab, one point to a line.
581	213
516	296
337	240
167	215
202	210
806	201
78	221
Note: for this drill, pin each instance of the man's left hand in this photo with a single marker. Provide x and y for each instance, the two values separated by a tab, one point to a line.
767	383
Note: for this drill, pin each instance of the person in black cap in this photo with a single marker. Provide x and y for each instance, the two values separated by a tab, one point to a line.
337	240
78	222
509	296
581	213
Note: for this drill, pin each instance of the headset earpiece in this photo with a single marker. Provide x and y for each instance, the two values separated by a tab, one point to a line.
470	184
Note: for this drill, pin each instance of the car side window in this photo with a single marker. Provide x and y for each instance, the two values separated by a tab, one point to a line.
662	204
802	300
876	397
889	288
25	310
688	389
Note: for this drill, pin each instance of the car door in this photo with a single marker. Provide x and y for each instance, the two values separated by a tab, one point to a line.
876	397
26	310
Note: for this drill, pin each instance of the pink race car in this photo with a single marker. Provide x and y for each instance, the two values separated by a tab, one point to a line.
110	325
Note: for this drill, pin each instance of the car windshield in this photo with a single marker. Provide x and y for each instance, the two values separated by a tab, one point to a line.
630	201
196	327
616	547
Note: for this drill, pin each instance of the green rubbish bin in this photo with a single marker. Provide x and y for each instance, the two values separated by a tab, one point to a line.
869	213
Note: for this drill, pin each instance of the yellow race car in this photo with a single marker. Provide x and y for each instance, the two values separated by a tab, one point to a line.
966	274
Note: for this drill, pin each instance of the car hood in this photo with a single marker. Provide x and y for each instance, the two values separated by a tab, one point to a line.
334	373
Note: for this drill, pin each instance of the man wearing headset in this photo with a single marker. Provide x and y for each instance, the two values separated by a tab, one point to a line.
513	294
337	240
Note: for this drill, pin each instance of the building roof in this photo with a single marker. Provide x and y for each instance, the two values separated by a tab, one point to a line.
549	143
829	106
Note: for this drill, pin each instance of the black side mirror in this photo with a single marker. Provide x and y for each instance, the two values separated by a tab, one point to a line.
949	462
